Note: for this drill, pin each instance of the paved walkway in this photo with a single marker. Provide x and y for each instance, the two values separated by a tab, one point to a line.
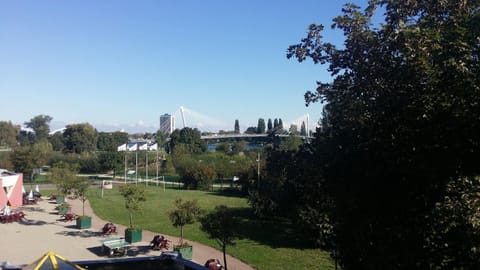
42	231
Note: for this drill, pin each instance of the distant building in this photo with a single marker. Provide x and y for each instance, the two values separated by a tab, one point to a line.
11	188
167	123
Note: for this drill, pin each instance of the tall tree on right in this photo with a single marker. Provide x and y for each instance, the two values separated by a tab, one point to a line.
397	151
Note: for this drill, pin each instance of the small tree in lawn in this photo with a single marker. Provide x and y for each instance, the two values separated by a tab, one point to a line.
79	188
134	196
185	212
220	225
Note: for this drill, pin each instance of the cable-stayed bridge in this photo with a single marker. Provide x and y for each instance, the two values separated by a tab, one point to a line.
186	117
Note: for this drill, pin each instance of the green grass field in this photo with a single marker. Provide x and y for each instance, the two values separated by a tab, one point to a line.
264	244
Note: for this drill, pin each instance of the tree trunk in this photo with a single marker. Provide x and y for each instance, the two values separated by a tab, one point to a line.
181	235
224	249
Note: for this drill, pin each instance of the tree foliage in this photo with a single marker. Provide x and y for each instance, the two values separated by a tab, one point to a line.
189	137
400	130
40	125
134	196
8	134
80	138
261	126
220	225
237	127
184	212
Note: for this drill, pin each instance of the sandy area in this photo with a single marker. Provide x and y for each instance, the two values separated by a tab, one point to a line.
42	231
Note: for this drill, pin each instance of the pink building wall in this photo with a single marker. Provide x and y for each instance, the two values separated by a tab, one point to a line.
14	184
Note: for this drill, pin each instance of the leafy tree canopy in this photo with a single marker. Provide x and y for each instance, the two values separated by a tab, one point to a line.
400	125
40	125
80	138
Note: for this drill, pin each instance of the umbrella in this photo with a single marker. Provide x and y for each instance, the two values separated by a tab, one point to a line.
6	210
37	189
23	190
30	195
52	261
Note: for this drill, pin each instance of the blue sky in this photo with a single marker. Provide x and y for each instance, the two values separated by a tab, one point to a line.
121	64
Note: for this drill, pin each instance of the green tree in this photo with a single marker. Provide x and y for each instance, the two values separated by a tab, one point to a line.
111	160
57	142
134	196
269	125
293	129
185	212
8	134
160	138
40	125
237	127
223	147
290	143
280	124
80	138
220	225
400	125
238	147
110	141
63	175
26	158
275	123
303	129
261	126
251	130
188	137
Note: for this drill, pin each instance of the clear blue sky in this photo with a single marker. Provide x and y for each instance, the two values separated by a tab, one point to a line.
119	64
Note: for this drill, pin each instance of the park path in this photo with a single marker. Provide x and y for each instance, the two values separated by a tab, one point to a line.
201	253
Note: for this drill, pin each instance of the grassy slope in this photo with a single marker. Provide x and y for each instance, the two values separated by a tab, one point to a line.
265	244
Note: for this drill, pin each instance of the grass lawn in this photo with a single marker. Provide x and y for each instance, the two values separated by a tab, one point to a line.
264	244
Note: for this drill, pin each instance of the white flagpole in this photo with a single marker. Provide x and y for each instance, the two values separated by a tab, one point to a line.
125	177
146	171
136	165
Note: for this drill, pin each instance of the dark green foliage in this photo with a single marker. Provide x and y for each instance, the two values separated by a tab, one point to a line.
261	126
251	130
40	125
220	224
57	141
80	138
113	160
303	129
189	137
400	133
223	147
237	127
198	175
269	125
275	194
110	141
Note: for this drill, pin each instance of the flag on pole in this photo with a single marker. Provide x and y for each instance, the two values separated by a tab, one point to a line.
143	147
153	147
132	147
122	147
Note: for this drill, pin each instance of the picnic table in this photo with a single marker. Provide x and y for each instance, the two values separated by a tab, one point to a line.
115	245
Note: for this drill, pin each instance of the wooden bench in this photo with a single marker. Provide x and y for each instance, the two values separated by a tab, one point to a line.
113	246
